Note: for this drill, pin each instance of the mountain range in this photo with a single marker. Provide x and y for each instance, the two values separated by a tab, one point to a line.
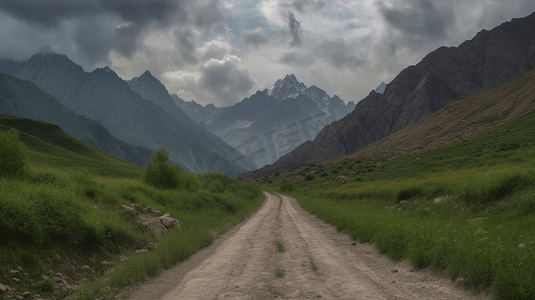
149	123
445	75
271	122
24	99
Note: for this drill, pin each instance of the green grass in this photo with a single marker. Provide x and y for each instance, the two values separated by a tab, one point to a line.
467	208
48	146
65	211
279	273
313	264
280	246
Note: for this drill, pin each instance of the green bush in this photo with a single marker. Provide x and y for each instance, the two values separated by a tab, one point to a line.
408	193
189	182
159	172
12	154
287	186
217	182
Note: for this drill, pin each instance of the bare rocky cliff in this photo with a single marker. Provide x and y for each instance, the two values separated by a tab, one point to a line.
445	75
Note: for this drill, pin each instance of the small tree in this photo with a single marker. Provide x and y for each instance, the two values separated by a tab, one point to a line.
12	154
159	172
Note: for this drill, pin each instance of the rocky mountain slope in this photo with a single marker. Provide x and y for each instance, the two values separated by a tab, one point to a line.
24	99
103	96
150	88
275	121
445	75
455	122
201	114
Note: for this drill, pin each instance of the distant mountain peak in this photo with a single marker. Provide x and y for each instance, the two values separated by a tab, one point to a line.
290	77
48	53
46	50
146	74
289	87
381	88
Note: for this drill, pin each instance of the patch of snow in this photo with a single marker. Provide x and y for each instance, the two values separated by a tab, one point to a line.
241	124
270	90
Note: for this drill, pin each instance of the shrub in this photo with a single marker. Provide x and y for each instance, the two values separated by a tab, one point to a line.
159	172
189	182
12	154
408	193
309	177
217	182
287	186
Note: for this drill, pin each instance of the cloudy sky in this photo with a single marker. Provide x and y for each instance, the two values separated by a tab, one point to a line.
220	51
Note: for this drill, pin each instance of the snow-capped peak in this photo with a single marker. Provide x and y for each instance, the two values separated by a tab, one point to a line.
289	87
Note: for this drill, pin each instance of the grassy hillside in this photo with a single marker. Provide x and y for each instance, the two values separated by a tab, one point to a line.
458	120
72	218
49	146
467	208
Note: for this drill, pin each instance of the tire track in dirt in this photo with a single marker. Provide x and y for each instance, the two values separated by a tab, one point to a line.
242	264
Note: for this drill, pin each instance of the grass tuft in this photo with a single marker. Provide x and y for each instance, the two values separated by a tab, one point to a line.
280	246
313	265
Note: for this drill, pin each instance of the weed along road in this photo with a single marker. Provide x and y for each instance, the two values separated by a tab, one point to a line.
283	252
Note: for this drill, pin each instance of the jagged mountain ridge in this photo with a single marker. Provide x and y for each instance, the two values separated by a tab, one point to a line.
200	114
102	95
274	121
24	99
443	76
150	88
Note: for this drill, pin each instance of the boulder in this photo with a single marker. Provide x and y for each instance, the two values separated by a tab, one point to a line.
152	210
340	178
168	221
129	210
153	225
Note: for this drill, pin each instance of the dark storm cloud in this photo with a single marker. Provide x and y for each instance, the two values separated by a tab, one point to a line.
419	19
225	79
187	44
300	58
209	15
254	37
97	27
295	29
49	13
143	11
305	5
338	53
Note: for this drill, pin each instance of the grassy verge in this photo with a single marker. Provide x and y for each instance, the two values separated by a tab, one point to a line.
53	222
467	209
66	231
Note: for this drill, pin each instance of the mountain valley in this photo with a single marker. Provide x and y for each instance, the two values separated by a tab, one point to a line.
445	75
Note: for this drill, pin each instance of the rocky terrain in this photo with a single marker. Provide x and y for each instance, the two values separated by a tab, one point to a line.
444	76
201	114
68	281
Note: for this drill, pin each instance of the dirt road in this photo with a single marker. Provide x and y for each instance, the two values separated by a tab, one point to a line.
317	262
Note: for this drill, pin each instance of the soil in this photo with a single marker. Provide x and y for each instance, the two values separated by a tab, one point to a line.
242	264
